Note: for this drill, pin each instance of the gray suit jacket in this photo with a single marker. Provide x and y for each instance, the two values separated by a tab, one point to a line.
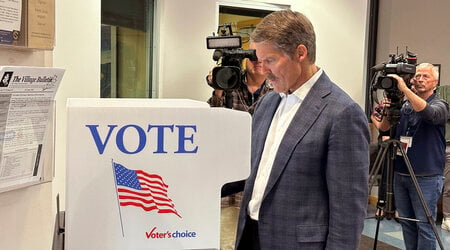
317	193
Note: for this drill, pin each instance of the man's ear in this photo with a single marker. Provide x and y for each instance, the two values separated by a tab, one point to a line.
301	52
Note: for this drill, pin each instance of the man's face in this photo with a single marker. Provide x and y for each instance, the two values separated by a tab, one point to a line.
424	81
254	67
282	71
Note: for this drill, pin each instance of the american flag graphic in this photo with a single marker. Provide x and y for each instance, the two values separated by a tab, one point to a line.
141	189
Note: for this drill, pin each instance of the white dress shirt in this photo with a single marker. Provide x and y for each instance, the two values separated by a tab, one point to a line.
286	110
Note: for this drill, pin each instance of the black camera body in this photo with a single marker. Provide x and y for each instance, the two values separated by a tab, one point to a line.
401	69
401	66
228	54
404	67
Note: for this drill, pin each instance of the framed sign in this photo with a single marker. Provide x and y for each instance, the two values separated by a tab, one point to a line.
438	67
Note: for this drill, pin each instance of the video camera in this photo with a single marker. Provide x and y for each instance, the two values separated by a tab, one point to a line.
403	66
229	55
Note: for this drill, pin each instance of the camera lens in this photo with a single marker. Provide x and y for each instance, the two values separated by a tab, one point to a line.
387	83
227	77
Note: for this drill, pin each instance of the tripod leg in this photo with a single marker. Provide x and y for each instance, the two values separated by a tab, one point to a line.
378	164
420	194
389	179
379	160
375	240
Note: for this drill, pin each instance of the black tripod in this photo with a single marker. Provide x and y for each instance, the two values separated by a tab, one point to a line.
385	206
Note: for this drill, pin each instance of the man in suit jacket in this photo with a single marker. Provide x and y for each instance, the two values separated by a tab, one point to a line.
310	149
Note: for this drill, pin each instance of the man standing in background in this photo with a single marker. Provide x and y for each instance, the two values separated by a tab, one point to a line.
422	129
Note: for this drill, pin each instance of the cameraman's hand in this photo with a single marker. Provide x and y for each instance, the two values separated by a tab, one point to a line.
413	83
380	110
385	103
401	85
379	113
209	78
216	92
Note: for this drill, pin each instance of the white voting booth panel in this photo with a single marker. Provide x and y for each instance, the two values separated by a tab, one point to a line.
147	173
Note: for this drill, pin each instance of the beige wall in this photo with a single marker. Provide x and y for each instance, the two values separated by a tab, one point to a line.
182	61
341	47
423	27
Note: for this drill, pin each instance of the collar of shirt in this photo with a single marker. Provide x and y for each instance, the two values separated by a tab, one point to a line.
289	101
306	87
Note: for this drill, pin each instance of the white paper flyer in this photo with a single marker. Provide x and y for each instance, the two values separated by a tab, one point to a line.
26	101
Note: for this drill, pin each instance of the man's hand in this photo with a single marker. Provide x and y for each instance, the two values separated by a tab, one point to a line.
416	101
216	92
401	85
209	78
380	110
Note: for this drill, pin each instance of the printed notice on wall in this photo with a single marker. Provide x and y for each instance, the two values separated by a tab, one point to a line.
10	18
41	24
26	101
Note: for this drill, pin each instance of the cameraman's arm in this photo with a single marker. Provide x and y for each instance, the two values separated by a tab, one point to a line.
418	104
217	99
435	112
382	125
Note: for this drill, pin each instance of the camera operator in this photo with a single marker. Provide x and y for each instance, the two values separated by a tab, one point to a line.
421	128
245	97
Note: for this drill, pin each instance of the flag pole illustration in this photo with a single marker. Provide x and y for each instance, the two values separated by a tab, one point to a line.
117	195
141	189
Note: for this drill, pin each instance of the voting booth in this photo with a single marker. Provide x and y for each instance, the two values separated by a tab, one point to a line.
147	173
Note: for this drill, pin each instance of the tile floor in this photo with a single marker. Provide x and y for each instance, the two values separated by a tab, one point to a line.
389	231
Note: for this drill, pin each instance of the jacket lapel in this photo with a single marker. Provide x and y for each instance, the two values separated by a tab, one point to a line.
269	105
302	122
